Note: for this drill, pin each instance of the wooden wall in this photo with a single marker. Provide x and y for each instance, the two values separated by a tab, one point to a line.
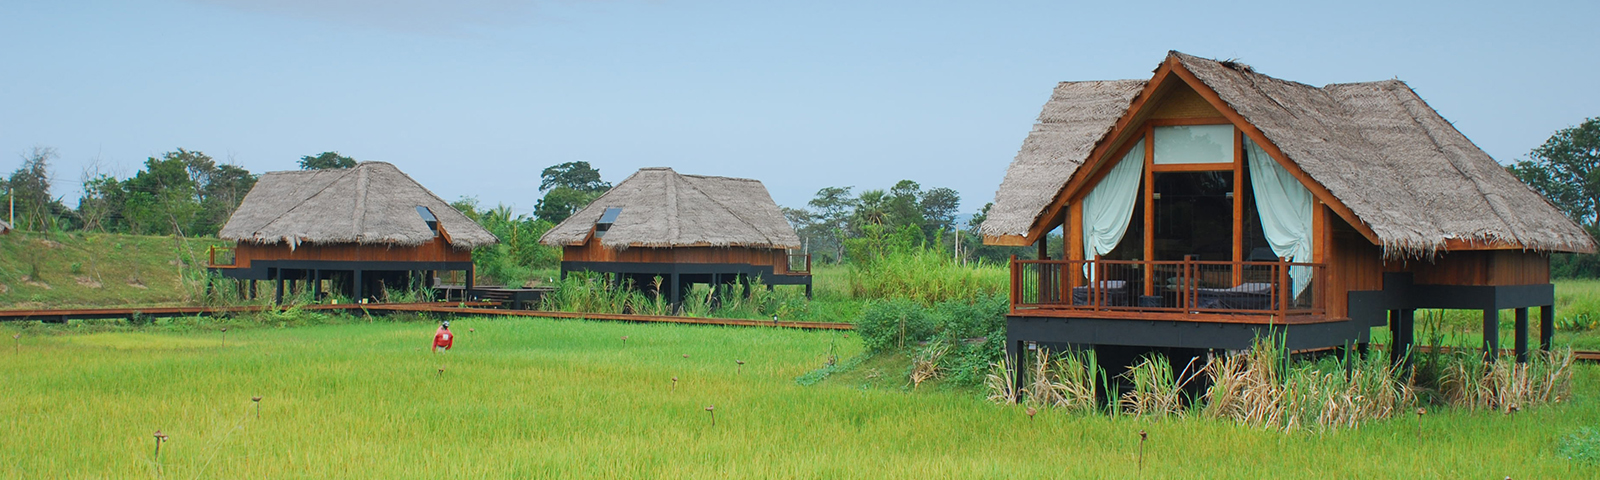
435	250
1479	267
1353	264
592	251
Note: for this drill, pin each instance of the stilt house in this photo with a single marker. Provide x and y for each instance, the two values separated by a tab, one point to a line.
359	230
1211	204
685	229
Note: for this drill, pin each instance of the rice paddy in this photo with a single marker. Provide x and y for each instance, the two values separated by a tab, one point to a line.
546	398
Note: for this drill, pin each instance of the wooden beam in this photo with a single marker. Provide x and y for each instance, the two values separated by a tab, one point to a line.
1006	240
1238	205
1260	138
1177	122
1192	167
1455	244
1149	212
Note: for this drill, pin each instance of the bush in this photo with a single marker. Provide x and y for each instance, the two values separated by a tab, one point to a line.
894	323
971	333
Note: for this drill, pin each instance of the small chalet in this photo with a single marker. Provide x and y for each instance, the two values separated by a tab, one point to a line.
360	230
1211	204
686	229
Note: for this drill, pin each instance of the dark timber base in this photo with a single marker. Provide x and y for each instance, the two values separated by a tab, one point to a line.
1399	300
1395	305
679	278
358	280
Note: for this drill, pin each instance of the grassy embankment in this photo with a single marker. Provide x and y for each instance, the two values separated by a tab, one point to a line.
56	270
545	398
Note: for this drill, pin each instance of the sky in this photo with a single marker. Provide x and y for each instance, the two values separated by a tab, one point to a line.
473	98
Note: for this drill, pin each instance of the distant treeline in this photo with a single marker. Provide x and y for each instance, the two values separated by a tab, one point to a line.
182	192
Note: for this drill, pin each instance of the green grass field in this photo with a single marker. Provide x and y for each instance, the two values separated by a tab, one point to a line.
546	398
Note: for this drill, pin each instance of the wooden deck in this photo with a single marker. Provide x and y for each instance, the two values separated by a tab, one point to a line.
1178	291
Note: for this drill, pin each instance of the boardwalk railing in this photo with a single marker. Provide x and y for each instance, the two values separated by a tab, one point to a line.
1279	288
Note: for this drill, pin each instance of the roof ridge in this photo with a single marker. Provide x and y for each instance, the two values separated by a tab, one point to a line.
735	214
1477	183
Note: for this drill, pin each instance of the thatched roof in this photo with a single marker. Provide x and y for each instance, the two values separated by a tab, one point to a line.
662	208
4	227
373	203
1378	148
1077	115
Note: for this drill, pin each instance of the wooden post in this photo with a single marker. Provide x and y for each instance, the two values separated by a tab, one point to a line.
1408	338
1285	291
1394	338
1547	327
1491	335
676	291
1522	334
359	289
277	296
316	285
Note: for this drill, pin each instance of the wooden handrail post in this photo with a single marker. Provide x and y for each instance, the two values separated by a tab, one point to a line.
1284	287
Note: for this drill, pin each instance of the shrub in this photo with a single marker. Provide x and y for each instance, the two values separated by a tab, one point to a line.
894	323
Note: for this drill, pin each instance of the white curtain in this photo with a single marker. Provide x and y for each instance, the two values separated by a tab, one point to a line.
1108	208
1285	207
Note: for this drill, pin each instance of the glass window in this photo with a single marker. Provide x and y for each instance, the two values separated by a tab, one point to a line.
1194	144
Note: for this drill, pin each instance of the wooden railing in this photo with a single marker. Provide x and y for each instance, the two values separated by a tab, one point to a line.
799	264
1181	286
225	254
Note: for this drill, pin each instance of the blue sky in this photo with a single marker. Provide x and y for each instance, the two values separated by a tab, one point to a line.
475	97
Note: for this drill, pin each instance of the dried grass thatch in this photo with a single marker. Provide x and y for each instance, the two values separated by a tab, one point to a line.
662	208
1077	115
371	204
1399	166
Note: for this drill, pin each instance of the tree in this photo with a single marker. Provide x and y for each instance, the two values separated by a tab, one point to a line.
1566	170
326	160
575	175
939	207
568	187
29	187
833	208
903	206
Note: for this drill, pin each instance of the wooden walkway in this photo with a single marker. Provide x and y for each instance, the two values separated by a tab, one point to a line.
450	308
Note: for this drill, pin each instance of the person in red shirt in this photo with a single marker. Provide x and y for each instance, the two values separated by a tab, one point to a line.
443	338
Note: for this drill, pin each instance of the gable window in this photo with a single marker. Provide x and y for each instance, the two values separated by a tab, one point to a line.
1187	144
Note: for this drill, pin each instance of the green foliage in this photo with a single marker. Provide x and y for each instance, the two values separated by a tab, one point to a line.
325	161
183	193
568	187
896	265
973	331
29	188
1566	170
519	254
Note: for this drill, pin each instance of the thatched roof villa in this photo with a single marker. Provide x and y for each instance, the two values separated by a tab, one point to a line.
362	229
1211	203
686	229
